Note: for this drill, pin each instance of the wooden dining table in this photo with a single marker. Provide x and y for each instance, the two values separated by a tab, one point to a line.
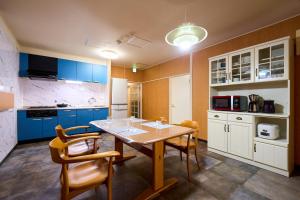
137	133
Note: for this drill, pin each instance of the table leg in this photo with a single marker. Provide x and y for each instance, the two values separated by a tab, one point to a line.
158	184
119	148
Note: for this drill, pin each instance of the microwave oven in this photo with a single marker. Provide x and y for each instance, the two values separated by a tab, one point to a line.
230	103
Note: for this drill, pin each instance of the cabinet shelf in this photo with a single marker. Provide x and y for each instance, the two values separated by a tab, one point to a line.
279	142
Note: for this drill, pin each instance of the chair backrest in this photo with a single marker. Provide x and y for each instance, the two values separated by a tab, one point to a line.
57	149
193	125
60	132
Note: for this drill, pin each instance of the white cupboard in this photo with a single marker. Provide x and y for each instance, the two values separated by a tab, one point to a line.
271	155
217	137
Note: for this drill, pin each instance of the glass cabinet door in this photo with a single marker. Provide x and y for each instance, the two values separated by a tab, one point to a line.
271	62
241	65
218	71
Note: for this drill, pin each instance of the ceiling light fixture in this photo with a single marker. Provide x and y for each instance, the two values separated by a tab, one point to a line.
109	54
186	35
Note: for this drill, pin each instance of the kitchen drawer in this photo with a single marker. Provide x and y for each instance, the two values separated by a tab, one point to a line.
66	112
217	115
240	118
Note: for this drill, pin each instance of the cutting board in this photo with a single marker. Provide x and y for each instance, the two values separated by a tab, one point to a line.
6	100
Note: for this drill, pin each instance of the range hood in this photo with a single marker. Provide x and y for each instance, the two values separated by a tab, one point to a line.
42	67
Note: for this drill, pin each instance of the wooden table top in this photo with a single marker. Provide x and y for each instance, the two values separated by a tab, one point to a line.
119	128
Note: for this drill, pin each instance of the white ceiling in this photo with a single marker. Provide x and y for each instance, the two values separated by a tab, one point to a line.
66	25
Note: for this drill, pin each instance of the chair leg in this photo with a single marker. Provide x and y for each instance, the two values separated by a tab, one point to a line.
197	158
188	164
109	189
180	155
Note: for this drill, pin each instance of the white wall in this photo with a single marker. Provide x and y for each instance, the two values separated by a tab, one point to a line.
49	93
9	64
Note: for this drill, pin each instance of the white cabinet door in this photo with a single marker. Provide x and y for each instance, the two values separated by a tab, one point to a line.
240	140
271	155
217	135
241	67
218	71
272	61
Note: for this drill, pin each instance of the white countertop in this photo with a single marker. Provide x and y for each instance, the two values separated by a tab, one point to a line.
276	115
63	108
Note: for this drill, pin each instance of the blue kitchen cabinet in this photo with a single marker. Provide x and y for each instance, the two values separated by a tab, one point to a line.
23	65
67	119
99	114
84	72
99	74
67	69
84	117
29	128
49	124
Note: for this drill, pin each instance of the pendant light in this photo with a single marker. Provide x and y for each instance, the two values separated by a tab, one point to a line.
186	35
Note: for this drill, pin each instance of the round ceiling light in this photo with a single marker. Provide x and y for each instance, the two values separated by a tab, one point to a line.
186	35
109	54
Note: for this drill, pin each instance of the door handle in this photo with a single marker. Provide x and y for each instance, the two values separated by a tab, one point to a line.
35	119
254	147
48	118
225	128
256	72
67	110
216	116
239	118
228	128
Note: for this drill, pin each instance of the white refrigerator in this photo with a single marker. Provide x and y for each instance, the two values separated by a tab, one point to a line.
119	101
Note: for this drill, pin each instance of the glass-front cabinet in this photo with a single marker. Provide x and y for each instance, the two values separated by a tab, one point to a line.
241	65
218	71
271	61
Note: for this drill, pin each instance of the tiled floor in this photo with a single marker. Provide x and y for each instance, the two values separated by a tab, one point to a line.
29	173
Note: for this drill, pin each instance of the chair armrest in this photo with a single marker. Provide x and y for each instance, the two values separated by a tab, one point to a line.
74	141
90	157
75	128
82	135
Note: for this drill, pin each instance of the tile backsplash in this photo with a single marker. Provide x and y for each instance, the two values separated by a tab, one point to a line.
49	93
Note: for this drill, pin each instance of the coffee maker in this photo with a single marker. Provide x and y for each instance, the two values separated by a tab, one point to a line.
254	103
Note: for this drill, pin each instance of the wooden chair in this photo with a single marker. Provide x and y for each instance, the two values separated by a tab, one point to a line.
80	148
184	143
90	171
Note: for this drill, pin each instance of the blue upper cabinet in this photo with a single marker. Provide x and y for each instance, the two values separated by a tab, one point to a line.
84	72
23	65
67	69
99	74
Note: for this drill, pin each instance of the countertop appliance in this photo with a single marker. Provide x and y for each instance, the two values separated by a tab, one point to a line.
254	103
62	105
268	131
119	103
269	106
42	67
230	103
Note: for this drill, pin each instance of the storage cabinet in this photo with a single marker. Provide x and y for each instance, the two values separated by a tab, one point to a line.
68	118
99	74
84	117
217	134
29	128
271	155
23	65
231	133
241	67
99	114
49	124
84	72
271	61
67	70
219	71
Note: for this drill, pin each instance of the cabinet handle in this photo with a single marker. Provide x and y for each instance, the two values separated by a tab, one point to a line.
239	118
96	81
35	119
256	72
228	128
216	116
72	115
48	118
67	110
225	128
254	147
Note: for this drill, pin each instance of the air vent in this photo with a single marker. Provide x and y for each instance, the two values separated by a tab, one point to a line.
137	42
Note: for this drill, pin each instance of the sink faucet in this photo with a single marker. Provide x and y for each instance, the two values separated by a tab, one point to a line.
92	100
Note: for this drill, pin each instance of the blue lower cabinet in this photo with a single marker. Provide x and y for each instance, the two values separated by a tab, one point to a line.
67	121
49	124
84	117
30	128
99	114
